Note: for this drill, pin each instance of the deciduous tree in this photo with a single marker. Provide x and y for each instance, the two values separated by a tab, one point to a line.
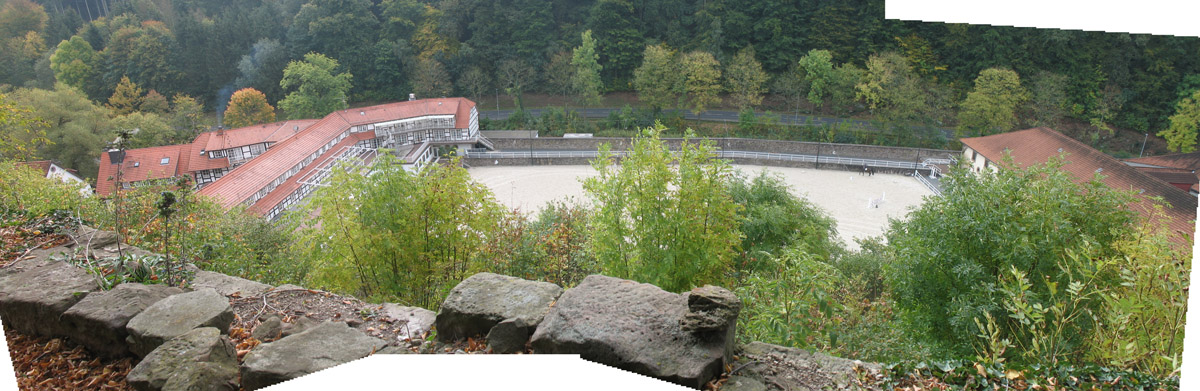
1181	135
126	98
992	106
659	81
817	72
702	85
247	107
76	127
399	235
951	253
892	90
262	68
745	79
475	83
76	64
316	90
663	218
587	71
430	79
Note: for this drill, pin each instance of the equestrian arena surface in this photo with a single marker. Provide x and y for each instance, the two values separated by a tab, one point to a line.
860	204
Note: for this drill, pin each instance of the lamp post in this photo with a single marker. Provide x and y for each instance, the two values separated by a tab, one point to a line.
1144	137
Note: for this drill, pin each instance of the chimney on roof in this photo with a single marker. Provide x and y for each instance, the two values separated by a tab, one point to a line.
220	130
412	97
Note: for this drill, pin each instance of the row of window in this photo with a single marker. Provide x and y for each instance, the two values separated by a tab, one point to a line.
295	169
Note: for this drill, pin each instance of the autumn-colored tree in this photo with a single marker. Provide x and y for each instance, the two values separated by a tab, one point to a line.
658	81
187	114
126	98
745	79
156	103
702	85
991	107
247	107
1181	135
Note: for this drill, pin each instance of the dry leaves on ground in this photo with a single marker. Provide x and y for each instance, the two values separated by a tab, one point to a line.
43	363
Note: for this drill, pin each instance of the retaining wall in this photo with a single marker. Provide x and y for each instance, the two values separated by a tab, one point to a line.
732	144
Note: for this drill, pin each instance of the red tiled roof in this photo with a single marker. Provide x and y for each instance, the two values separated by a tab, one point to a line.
1189	161
458	107
242	183
1037	145
255	134
264	205
139	165
42	166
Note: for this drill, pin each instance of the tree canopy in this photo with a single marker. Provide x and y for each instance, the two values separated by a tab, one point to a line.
315	89
662	218
247	107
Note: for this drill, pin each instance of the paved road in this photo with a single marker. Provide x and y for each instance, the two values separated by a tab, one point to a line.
714	115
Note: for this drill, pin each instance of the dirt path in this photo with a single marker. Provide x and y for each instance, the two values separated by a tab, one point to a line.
844	195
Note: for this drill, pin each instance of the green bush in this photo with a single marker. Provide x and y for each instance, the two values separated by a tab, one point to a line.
773	218
949	256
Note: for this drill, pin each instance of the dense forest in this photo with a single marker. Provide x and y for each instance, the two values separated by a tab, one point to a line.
833	56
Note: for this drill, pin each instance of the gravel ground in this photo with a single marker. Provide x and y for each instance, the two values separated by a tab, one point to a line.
844	195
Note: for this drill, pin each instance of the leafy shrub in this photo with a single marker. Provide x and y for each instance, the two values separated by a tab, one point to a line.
27	191
793	301
395	234
551	248
773	218
663	218
950	254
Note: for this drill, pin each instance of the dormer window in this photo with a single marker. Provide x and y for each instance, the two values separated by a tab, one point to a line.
164	161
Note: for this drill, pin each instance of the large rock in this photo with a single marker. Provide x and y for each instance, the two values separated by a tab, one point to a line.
176	315
413	322
326	345
269	330
35	293
93	238
228	285
201	359
798	369
711	309
98	321
483	300
631	326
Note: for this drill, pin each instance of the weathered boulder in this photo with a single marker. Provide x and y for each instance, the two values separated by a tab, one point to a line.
268	330
711	309
298	326
326	345
413	322
176	315
203	377
201	359
631	326
228	285
35	293
481	301
798	369
93	238
743	383
392	349
288	287
508	337
98	321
